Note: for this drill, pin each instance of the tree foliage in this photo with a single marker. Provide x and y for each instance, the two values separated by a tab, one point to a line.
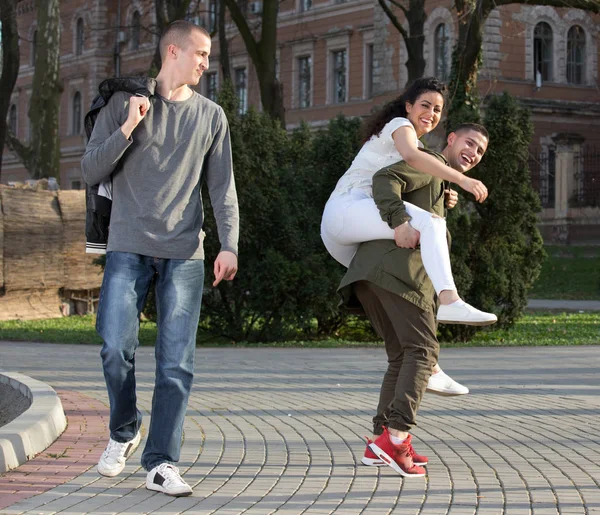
286	284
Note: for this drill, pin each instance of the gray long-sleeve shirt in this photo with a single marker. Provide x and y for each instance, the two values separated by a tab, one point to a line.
157	175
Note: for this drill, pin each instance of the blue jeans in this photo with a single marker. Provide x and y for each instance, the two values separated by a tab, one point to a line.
126	282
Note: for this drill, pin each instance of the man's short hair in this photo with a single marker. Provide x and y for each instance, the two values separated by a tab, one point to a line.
178	33
473	127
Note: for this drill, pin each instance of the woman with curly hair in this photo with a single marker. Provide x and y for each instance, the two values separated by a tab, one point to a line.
351	216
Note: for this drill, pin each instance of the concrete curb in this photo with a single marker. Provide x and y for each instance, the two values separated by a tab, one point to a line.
35	429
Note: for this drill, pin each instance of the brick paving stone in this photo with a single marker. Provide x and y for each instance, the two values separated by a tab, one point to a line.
281	430
68	457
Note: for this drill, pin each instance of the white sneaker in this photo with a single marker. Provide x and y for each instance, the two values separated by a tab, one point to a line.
112	461
460	312
165	478
442	384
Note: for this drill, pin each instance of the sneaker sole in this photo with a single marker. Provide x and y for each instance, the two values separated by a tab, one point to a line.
465	322
372	462
390	462
445	393
107	473
157	488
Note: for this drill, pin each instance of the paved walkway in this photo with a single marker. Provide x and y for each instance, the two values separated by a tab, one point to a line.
564	305
279	430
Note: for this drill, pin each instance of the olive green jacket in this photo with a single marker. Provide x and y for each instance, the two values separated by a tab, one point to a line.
381	262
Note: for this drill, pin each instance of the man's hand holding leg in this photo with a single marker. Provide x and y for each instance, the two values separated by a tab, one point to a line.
406	236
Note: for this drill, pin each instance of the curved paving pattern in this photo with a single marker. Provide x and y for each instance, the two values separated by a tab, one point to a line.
280	431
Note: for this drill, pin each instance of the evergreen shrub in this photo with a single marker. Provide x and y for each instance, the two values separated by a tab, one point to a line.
497	249
285	287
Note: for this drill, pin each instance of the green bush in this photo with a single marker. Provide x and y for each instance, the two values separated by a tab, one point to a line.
497	250
285	287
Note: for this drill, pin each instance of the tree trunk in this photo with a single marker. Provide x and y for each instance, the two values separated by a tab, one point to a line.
414	45
167	11
223	44
414	38
263	54
42	156
10	64
466	60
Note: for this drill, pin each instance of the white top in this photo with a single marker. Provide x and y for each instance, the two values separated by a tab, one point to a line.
377	153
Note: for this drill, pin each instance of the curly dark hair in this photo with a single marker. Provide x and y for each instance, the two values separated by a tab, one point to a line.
397	107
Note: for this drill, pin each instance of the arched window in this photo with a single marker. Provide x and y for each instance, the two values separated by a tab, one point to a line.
442	61
575	55
33	47
79	37
77	113
136	28
542	51
12	118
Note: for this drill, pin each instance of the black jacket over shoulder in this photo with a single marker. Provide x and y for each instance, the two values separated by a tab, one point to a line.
97	216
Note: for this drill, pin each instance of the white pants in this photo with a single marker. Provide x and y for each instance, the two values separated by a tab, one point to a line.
353	218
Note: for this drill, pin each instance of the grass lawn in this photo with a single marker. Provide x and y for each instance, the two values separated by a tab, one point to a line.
571	272
532	330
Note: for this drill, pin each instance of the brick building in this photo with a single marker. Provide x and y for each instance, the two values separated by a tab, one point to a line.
345	56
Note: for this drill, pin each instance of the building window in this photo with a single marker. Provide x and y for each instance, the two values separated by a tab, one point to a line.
33	47
12	119
136	29
542	52
441	52
211	86
305	5
339	76
304	80
575	55
368	70
241	89
212	16
79	37
76	113
75	185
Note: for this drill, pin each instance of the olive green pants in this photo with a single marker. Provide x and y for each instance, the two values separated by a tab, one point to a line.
412	350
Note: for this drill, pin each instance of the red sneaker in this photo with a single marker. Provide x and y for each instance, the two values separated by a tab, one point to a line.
370	459
418	459
398	457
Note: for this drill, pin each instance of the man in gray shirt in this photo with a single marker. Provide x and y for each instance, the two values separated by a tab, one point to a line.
158	152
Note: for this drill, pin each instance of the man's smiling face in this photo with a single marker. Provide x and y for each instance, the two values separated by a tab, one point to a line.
465	149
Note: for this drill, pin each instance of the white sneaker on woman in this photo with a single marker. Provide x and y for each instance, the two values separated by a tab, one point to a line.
165	478
459	312
442	384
